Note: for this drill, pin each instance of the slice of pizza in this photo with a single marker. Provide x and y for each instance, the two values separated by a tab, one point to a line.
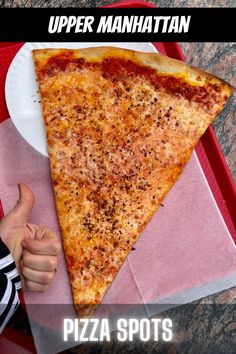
120	127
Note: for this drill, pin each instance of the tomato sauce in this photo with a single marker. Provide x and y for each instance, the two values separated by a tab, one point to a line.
118	69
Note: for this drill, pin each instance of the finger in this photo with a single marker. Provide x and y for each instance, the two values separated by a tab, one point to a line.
24	204
33	286
37	276
31	230
49	246
39	232
44	232
39	262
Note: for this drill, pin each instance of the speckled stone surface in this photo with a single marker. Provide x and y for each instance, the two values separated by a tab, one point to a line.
220	60
201	328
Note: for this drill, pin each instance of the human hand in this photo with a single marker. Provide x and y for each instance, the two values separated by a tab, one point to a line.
39	261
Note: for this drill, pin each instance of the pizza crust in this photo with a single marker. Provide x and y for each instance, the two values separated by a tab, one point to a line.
159	62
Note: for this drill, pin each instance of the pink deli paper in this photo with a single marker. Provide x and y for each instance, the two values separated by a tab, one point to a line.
185	252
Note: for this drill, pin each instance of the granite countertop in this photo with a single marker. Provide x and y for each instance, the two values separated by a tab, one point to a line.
200	328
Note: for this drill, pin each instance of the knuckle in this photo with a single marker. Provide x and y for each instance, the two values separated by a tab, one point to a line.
47	278
29	285
55	246
51	263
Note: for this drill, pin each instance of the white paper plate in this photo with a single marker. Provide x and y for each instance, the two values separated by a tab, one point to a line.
21	89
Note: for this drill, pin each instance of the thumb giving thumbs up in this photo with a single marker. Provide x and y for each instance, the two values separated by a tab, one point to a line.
13	227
